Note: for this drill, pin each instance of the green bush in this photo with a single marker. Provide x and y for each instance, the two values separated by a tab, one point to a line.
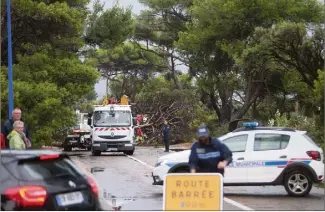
300	122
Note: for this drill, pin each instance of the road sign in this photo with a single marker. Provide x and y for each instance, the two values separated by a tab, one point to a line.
199	192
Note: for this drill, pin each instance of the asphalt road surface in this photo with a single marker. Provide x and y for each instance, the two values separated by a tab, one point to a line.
126	181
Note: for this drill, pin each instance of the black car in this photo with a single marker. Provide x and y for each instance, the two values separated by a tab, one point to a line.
44	180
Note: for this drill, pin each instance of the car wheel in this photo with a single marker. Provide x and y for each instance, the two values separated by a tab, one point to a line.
298	183
129	152
96	153
67	149
89	148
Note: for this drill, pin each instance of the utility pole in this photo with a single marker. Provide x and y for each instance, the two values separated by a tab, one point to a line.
10	80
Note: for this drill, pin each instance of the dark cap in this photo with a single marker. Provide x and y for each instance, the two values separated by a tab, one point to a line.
203	131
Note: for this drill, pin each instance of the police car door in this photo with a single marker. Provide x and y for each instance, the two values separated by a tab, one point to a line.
268	156
236	172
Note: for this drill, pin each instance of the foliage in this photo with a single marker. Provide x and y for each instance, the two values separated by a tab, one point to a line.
50	82
245	60
224	39
109	28
319	87
46	91
39	22
299	122
248	58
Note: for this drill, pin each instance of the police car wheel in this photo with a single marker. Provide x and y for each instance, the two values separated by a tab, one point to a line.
182	170
298	183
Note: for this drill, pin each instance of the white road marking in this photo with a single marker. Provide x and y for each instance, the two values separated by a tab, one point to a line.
237	204
229	201
137	160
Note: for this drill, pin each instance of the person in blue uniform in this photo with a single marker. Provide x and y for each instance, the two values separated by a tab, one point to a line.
208	155
166	135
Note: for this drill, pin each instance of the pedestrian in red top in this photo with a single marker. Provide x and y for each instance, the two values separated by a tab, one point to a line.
3	141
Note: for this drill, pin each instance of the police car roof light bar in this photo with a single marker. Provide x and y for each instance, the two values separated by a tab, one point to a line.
250	124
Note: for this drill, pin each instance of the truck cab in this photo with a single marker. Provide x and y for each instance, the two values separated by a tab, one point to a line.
112	129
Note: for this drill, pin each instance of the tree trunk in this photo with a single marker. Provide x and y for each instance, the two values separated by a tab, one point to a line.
223	112
107	89
174	73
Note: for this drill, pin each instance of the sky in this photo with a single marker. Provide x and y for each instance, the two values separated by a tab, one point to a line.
100	87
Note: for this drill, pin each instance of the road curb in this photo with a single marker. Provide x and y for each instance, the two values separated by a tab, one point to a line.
106	206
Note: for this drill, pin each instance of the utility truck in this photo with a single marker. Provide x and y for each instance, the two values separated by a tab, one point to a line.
80	135
112	127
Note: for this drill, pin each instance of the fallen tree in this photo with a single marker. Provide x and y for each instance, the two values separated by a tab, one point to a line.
177	107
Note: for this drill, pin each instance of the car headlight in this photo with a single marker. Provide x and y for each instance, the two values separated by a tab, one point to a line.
160	162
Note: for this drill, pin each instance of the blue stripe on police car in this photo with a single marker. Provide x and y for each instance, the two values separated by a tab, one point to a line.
247	164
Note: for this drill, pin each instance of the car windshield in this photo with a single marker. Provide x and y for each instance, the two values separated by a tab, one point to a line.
112	119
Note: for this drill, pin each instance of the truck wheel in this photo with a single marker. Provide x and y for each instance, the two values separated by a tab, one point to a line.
67	148
298	183
129	152
96	153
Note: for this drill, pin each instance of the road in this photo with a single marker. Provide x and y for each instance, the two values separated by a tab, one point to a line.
128	180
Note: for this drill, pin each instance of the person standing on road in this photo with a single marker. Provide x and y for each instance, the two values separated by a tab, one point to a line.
16	136
2	138
166	135
8	126
208	155
3	141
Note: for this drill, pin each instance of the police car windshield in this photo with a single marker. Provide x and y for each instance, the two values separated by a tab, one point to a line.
221	138
112	119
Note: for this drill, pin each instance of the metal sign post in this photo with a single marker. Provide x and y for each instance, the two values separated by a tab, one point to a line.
199	192
10	80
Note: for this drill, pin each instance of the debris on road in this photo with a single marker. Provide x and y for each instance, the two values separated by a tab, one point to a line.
96	169
182	146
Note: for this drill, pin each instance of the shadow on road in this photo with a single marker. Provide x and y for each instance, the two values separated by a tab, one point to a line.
111	154
157	195
269	196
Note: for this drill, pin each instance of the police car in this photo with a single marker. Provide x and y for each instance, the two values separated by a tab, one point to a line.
261	156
